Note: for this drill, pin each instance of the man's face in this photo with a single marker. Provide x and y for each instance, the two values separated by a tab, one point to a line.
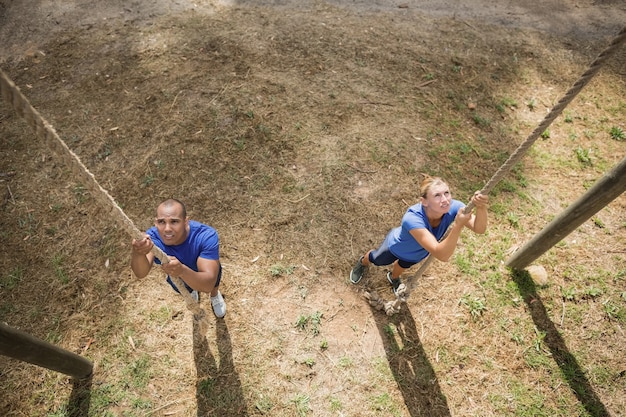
171	225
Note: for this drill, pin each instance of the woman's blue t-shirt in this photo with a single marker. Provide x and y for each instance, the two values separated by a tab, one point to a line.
404	246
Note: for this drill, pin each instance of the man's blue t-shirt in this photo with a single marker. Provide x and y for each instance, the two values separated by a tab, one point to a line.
404	246
202	242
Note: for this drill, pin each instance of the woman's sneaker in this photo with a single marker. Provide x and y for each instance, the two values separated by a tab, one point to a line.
395	283
357	272
219	306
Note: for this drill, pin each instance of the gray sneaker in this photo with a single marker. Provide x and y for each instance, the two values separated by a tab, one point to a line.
357	272
219	306
395	283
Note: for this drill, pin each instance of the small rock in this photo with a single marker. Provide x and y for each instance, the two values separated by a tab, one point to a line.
538	274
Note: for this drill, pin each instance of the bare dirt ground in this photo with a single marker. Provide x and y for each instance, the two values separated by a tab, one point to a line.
298	130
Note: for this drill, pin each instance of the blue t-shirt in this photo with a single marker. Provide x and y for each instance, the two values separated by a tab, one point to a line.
404	246
202	242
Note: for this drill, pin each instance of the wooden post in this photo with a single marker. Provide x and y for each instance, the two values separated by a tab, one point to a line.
597	197
19	345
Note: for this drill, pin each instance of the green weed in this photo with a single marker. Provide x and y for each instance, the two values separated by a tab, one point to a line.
316	322
614	311
302	322
592	292
302	404
335	404
264	405
475	305
28	223
279	269
146	181
59	271
583	155
508	102
384	403
617	133
161	316
464	261
311	322
12	279
513	219
80	193
139	372
345	362
481	121
56	208
569	293
598	222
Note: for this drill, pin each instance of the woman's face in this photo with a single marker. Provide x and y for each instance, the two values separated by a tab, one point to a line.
438	199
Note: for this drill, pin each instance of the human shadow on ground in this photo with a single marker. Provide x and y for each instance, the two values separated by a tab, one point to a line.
410	366
570	368
218	387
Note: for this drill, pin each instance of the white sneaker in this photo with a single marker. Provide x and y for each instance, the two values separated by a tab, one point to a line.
219	306
195	295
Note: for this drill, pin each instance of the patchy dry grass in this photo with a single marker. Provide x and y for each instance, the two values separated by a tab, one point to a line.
300	136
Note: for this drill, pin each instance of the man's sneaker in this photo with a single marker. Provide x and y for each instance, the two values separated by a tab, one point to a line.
357	272
195	295
395	283
219	306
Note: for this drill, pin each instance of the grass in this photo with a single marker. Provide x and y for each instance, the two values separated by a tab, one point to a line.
59	269
475	305
11	280
300	341
617	133
301	403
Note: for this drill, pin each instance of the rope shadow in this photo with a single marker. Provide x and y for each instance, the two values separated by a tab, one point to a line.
80	398
570	368
218	387
410	367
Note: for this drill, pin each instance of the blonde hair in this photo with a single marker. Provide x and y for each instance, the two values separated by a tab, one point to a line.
428	182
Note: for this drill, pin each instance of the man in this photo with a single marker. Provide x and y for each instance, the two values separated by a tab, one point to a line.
193	250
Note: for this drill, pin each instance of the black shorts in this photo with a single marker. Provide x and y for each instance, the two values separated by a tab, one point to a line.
217	282
383	256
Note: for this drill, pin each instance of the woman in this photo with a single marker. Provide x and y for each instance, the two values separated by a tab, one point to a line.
423	225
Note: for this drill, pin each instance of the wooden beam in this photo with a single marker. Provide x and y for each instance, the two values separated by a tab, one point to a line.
596	198
19	345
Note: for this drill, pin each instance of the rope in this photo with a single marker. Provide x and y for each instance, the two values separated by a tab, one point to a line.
14	97
393	307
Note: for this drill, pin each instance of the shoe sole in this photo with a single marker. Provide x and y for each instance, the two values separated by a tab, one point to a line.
389	279
355	281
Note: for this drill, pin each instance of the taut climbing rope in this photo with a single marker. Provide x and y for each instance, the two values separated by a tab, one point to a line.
13	96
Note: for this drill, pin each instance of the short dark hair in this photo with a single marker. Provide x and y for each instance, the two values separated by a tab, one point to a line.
173	201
